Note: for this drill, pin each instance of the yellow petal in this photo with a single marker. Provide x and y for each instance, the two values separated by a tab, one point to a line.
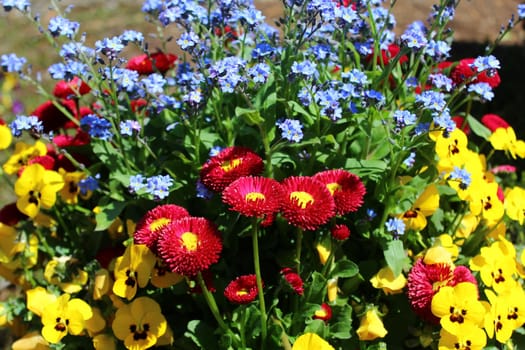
311	341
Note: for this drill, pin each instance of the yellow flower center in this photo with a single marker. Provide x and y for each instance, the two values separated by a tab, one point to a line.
158	223
321	313
333	187
302	198
229	165
254	196
242	292
190	241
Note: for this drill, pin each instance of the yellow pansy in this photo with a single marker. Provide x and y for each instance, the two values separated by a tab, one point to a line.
22	154
311	341
515	204
37	187
38	298
451	150
485	202
139	324
446	241
458	305
389	283
468	224
8	244
469	337
438	255
133	270
70	191
96	323
162	277
505	313
497	265
425	205
371	326
102	284
56	272
64	316
104	342
504	139
31	341
5	137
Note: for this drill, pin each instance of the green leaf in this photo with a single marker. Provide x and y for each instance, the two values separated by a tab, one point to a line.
318	327
373	169
108	213
297	108
344	268
316	291
478	128
250	116
201	334
395	256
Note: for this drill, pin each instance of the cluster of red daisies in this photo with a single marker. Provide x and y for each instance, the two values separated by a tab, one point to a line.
304	201
189	245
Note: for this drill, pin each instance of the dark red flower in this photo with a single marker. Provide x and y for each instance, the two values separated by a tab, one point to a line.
324	313
189	245
138	105
80	138
67	89
388	55
307	202
253	196
461	124
10	215
229	165
494	121
340	232
463	72
156	62
294	280
53	118
425	280
242	290
346	188
106	255
148	228
195	287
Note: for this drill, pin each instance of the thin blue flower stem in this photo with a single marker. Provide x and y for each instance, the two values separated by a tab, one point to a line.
260	292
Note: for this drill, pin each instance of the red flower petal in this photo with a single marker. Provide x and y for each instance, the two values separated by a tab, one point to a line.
189	245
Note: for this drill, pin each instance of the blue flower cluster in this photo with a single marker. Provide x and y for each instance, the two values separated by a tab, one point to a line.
158	186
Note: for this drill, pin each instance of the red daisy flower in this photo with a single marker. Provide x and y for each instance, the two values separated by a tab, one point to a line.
340	232
229	165
346	188
189	245
424	281
294	280
242	290
67	89
253	196
53	118
143	64
387	55
149	227
463	71
324	313
494	121
80	138
307	203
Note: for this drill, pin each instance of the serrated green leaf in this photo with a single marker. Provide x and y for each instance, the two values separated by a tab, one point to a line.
395	256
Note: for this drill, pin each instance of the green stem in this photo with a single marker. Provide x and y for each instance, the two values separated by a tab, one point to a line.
210	300
257	267
298	247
